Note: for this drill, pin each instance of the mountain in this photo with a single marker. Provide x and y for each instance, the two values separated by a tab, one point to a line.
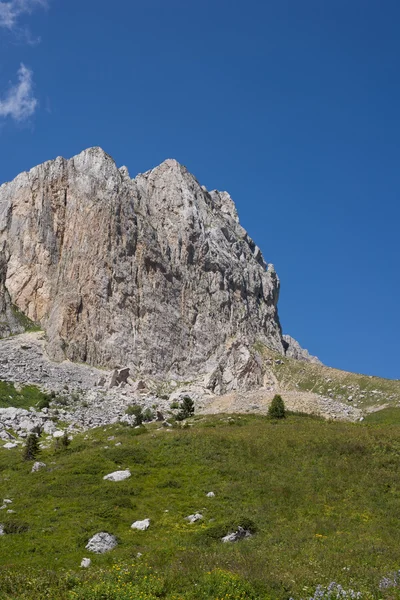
154	273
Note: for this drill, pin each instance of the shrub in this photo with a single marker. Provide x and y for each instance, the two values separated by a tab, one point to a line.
186	409
277	408
14	526
174	404
135	411
148	415
31	449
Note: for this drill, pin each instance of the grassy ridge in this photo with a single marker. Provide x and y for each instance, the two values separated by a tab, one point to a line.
363	391
323	498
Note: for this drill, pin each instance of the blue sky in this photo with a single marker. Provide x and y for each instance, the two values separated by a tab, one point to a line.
292	106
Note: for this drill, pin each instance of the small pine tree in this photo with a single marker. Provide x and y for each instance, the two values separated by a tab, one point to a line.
186	409
63	442
31	449
277	408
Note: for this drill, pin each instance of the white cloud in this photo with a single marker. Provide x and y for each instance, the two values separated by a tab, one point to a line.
12	10
19	102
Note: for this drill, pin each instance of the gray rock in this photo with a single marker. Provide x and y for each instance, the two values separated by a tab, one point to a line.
294	350
141	525
10	445
210	495
177	253
119	377
194	518
118	475
101	542
85	563
37	466
240	534
1	529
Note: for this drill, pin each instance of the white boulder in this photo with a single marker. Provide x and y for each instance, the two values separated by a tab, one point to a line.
101	542
141	525
118	475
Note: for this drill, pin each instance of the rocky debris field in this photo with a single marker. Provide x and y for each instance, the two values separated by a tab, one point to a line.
84	397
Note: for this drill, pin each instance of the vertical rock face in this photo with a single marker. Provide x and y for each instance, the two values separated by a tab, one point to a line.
155	272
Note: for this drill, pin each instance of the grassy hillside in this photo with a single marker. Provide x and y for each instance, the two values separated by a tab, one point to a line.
22	396
322	499
363	391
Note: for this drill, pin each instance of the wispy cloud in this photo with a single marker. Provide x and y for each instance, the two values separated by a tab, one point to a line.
11	11
19	102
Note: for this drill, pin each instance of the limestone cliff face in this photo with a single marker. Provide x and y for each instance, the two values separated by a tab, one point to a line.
154	272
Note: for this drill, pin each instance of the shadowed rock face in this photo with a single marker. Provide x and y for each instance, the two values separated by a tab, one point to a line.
155	272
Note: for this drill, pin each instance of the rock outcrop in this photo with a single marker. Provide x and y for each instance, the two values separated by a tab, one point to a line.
154	273
294	350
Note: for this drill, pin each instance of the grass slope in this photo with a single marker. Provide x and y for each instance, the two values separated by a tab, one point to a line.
323	499
364	391
23	397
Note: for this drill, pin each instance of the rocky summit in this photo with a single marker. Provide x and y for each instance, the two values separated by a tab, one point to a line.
155	273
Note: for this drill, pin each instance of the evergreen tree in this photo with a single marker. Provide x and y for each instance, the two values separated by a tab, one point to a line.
31	449
277	408
186	409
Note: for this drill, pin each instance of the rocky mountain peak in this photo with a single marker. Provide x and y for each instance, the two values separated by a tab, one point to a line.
154	272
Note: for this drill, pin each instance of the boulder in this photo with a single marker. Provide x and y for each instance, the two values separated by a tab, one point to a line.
119	376
118	475
101	542
141	525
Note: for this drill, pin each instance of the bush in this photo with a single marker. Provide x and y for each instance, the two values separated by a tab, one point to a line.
148	415
135	411
277	408
13	526
31	449
186	409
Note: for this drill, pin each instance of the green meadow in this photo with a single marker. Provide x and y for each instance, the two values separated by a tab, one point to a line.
322	500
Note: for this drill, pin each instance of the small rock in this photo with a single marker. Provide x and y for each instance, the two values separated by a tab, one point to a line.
240	534
101	542
10	445
85	563
141	525
10	511
210	495
1	529
118	475
37	466
194	518
7	501
58	434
